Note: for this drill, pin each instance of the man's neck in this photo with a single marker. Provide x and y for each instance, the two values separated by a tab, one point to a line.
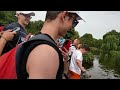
22	24
81	51
50	29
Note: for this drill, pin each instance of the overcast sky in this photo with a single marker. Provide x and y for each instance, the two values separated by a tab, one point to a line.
97	22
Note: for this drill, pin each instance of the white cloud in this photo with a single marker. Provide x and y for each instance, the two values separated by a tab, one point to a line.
39	15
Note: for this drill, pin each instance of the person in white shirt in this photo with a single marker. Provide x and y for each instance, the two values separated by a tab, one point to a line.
76	67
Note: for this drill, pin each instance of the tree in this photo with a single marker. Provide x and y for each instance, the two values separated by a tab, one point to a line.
110	42
87	39
7	17
112	32
97	43
72	34
35	26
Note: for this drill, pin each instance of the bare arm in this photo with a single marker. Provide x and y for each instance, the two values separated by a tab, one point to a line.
80	65
43	63
2	44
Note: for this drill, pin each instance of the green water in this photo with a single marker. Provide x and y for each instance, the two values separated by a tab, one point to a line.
105	66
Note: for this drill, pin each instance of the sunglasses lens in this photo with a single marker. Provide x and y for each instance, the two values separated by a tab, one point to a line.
75	23
26	15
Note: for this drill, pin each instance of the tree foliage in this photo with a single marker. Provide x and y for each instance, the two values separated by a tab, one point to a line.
88	58
35	26
7	17
110	41
87	39
72	34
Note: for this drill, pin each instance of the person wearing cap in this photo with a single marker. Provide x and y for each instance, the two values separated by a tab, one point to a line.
23	18
43	60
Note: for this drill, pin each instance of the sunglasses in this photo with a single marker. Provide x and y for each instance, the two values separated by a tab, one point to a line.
75	22
26	15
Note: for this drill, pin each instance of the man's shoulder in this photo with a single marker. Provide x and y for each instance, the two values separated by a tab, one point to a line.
78	52
10	26
45	47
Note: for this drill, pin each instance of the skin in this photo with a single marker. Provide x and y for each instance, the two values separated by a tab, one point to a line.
43	61
22	20
79	45
39	65
76	42
80	65
66	63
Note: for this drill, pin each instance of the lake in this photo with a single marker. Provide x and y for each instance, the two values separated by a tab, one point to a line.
103	69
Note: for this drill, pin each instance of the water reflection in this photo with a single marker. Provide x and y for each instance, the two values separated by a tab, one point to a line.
110	62
104	67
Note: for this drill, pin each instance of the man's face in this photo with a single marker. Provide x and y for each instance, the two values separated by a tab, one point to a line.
79	45
84	51
24	18
76	42
68	21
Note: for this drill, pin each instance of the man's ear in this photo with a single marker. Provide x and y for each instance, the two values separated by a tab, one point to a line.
64	15
18	16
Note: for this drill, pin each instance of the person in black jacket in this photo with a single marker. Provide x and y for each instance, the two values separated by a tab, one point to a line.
23	20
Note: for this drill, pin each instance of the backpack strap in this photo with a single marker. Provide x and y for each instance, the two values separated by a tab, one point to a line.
27	47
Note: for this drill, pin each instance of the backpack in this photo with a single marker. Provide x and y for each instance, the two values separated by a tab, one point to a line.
1	28
13	63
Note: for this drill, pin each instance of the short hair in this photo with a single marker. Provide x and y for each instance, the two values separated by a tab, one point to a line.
86	47
51	15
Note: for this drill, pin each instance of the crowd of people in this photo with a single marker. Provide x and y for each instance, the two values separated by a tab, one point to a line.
43	61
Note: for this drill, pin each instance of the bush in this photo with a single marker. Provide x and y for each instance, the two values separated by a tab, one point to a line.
88	58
